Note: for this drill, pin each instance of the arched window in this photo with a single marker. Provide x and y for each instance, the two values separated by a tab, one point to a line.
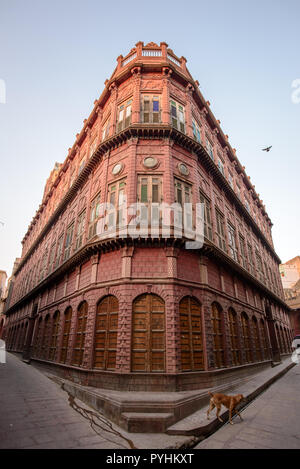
66	335
191	335
148	334
105	346
264	339
246	337
80	334
216	319
234	342
54	336
256	339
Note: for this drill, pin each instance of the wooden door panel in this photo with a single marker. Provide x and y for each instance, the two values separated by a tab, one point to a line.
106	334
191	335
148	334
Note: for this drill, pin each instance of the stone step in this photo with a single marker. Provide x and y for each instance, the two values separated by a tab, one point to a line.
197	423
146	422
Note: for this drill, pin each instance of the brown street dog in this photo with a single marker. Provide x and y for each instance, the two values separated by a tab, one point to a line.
218	399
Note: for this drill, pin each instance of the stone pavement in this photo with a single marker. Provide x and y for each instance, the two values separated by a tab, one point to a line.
272	421
36	413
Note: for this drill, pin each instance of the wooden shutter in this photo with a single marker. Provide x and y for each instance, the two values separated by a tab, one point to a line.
191	335
256	339
66	334
80	334
105	346
46	338
148	334
246	336
234	337
264	339
55	327
217	336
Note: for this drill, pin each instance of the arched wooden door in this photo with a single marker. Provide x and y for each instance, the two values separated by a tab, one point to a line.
54	336
78	350
256	339
234	342
66	335
264	338
216	318
105	346
246	337
191	335
148	334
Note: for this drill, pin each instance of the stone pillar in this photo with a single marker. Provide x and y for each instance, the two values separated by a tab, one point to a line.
165	101
173	349
124	331
172	256
188	110
77	270
127	253
136	100
131	171
95	262
113	105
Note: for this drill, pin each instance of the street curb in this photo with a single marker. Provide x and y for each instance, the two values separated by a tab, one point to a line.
201	433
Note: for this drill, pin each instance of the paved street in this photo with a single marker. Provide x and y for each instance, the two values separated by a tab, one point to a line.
272	421
35	413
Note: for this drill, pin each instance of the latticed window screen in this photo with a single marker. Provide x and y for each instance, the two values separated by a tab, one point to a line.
66	334
148	334
191	335
233	331
256	339
216	318
246	337
54	336
105	345
80	334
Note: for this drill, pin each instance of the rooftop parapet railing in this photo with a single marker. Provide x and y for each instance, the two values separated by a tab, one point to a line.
151	50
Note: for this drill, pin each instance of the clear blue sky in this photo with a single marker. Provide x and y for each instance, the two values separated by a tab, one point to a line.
56	55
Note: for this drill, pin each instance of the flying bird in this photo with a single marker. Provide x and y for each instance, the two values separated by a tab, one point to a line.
267	149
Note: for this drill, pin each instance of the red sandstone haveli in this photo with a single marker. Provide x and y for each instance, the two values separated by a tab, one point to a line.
161	316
